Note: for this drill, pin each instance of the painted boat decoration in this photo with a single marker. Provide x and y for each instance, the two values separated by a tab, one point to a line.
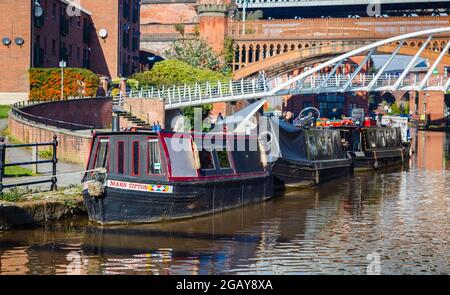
142	176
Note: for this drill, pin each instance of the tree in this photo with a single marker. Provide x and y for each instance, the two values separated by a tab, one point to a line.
195	52
173	72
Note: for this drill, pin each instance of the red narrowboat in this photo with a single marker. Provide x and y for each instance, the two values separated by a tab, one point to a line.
143	176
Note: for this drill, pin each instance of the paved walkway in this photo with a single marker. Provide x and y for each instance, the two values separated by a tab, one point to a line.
44	170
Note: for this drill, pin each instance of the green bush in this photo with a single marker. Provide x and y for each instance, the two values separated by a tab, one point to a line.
45	84
4	110
170	72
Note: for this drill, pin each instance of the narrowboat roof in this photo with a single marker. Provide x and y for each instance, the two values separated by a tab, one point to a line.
149	132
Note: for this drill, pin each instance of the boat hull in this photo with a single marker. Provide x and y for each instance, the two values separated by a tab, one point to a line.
370	160
186	200
289	175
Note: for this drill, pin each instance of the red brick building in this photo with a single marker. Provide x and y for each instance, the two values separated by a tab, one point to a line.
99	35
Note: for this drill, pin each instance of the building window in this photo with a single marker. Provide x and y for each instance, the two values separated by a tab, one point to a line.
126	9
54	47
136	11
54	10
38	53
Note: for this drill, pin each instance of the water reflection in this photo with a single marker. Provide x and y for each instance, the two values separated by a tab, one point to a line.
401	215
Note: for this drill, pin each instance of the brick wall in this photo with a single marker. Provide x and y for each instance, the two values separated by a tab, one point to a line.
95	112
73	147
158	23
151	110
15	60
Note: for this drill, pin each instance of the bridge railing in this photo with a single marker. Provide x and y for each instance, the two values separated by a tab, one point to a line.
179	96
334	28
198	92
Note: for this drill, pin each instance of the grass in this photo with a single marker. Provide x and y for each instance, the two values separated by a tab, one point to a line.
4	110
46	154
17	171
14	195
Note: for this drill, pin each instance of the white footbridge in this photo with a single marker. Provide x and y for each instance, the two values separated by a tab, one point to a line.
311	81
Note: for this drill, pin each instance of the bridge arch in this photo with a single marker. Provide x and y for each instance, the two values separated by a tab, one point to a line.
306	54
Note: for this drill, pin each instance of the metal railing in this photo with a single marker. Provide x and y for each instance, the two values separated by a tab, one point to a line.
18	112
198	92
3	149
179	96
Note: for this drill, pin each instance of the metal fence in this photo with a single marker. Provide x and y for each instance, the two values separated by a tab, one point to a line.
3	149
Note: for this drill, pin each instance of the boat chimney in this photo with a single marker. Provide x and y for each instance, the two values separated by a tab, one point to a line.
115	122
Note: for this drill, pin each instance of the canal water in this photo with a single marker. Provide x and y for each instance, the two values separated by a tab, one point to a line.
389	222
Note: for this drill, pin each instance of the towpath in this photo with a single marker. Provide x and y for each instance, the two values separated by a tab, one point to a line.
68	173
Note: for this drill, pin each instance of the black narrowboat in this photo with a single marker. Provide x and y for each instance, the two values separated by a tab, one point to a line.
374	147
143	176
308	156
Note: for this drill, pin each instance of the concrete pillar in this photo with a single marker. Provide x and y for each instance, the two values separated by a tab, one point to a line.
213	23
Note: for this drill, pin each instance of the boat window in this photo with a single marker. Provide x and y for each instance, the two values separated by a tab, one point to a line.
181	157
154	157
135	170
206	160
224	160
382	138
121	157
101	160
372	139
247	162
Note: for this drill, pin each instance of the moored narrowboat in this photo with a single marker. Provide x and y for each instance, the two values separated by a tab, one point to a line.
308	156
374	147
142	176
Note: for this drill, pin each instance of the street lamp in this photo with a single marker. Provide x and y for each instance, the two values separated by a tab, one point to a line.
62	65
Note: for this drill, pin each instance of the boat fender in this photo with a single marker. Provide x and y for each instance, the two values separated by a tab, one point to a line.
96	186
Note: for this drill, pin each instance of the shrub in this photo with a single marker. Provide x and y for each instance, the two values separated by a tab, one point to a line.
170	72
45	84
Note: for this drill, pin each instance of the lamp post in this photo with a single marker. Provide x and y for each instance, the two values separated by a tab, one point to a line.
62	65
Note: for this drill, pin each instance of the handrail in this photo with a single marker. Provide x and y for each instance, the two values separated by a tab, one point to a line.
16	110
